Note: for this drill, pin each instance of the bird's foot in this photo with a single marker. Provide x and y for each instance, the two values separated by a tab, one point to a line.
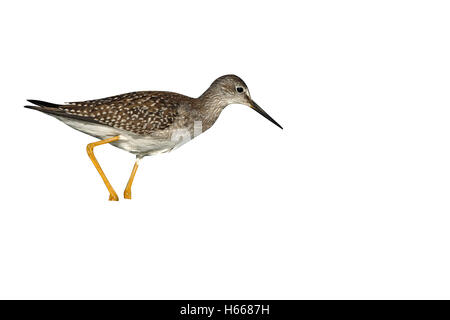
127	194
113	197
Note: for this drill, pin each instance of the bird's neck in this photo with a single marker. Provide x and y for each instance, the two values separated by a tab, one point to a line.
210	105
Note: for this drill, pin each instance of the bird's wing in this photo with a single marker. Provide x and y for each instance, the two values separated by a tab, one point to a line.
138	112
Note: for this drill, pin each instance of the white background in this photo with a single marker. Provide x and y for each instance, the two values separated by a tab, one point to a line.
350	200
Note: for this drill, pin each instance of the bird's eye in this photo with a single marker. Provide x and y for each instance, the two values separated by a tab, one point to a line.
239	89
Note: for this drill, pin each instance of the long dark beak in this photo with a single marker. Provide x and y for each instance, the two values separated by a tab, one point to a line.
258	109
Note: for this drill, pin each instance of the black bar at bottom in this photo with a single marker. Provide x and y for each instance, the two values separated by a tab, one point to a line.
222	309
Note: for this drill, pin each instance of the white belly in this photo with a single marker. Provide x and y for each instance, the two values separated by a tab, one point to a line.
136	144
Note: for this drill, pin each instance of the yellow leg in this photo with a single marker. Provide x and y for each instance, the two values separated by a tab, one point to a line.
127	192
90	150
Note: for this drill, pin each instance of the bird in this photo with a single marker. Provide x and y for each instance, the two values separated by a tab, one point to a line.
147	123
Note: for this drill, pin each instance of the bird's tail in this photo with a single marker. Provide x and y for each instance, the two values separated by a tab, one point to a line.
55	110
44	106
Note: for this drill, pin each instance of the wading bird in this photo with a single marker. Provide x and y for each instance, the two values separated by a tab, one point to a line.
149	122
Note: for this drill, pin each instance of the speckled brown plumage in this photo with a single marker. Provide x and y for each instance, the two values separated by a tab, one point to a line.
141	112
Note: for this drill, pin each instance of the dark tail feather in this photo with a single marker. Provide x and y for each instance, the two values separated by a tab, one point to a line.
32	107
54	111
44	104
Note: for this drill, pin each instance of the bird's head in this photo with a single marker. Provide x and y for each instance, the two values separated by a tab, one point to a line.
231	89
